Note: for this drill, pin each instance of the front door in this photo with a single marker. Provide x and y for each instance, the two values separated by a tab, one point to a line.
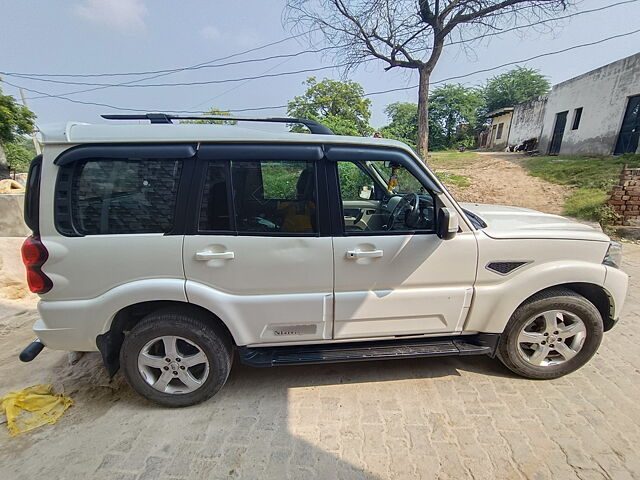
558	133
393	275
257	257
630	130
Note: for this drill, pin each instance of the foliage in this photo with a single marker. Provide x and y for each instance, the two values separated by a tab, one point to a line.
584	172
455	179
587	203
404	122
452	159
594	177
15	119
454	108
410	34
18	157
339	105
214	112
513	87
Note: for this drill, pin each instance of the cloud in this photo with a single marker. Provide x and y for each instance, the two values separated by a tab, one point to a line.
210	33
124	15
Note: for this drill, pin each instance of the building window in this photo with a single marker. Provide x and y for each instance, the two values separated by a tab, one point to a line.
499	134
577	115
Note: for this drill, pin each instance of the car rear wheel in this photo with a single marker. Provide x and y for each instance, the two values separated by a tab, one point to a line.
176	358
551	335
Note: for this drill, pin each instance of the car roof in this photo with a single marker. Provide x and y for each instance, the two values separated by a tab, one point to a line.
75	133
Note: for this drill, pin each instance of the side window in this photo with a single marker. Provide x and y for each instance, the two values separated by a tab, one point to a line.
382	197
275	196
214	207
110	196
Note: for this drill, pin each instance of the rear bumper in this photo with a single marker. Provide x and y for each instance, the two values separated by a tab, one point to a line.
71	339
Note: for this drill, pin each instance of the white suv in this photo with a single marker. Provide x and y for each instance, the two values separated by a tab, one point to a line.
168	247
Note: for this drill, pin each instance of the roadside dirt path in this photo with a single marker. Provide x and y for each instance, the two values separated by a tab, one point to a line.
498	178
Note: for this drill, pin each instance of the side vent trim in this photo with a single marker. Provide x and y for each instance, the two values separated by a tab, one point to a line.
505	267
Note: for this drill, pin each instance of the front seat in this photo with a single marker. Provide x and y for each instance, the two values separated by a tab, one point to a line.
300	215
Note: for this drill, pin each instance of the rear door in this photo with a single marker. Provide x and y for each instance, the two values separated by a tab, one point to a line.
259	254
112	220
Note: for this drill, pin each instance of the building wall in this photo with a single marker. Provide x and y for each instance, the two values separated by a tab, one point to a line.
527	120
603	94
500	143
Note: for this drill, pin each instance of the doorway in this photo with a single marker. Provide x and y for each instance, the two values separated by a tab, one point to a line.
558	133
630	130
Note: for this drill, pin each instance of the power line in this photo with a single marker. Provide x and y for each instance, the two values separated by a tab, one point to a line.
366	94
528	25
184	84
177	69
208	64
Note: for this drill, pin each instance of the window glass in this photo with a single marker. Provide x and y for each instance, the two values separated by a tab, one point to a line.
577	115
383	197
124	196
274	196
214	208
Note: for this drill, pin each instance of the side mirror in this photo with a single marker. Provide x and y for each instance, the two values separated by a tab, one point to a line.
365	192
448	223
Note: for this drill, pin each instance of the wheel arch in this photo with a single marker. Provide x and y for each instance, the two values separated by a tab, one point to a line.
596	294
110	342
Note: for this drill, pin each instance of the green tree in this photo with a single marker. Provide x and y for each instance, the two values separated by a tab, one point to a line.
15	120
403	124
18	157
214	112
513	87
411	34
454	108
341	106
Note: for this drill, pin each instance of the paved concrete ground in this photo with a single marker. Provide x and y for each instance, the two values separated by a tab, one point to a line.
432	418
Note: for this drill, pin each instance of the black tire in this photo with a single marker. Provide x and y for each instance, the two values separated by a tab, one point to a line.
192	326
555	299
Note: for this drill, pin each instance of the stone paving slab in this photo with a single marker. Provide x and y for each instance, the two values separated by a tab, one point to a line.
454	418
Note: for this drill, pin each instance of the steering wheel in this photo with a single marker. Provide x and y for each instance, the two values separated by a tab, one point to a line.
410	201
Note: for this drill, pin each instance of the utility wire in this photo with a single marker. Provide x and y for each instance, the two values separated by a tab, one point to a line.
381	92
208	63
184	84
176	69
519	27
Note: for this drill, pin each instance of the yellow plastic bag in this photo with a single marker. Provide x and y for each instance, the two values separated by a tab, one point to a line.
33	407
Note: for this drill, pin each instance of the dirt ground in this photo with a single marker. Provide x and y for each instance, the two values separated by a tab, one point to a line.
498	178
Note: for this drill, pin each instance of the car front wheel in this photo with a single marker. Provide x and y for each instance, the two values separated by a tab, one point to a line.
551	335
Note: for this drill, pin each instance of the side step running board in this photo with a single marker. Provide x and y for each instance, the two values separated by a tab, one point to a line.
481	344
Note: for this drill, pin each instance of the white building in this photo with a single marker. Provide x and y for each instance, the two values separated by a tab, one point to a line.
597	113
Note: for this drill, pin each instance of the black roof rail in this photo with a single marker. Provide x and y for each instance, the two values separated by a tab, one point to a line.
312	125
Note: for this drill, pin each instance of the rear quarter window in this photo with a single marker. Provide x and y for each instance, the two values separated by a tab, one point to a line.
117	196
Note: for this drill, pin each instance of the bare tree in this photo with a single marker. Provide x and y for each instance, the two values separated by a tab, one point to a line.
411	33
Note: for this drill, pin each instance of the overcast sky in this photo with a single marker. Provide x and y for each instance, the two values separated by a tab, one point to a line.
96	36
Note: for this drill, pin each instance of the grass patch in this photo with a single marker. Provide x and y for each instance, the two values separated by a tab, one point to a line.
593	176
461	181
451	159
600	173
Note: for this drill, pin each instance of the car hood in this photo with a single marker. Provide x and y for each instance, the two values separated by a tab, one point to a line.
517	222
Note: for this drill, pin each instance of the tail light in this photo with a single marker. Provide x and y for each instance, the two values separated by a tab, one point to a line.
34	254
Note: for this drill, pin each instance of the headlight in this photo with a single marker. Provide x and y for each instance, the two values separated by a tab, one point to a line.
613	258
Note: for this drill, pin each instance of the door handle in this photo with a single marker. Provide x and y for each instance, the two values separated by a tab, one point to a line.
364	254
204	256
